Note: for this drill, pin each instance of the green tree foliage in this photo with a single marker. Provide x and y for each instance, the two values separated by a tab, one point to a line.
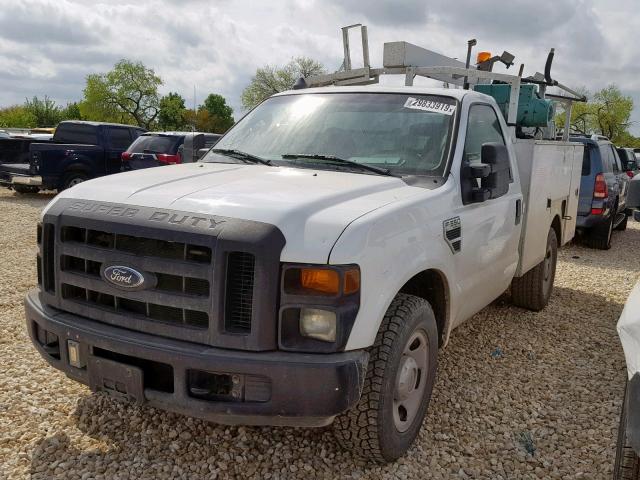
269	79
128	94
71	112
220	115
606	113
46	112
172	112
17	116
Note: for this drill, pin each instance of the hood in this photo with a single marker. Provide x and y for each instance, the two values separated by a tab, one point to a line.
310	207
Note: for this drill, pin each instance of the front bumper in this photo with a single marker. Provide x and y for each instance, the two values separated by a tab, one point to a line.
297	389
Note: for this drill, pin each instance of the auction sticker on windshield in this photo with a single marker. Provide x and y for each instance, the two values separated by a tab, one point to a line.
429	105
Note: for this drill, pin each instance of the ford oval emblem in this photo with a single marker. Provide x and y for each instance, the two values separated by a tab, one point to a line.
124	277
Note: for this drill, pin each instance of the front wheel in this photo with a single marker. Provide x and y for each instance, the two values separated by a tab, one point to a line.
533	290
398	384
627	464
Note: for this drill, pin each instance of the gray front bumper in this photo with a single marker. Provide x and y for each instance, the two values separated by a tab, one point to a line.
305	389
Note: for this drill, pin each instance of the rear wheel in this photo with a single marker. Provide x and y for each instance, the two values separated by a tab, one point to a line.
25	189
398	384
627	464
73	178
533	290
600	237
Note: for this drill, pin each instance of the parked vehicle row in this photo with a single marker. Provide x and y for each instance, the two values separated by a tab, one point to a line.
82	150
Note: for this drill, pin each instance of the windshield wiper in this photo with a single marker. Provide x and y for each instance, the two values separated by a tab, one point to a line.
233	153
332	158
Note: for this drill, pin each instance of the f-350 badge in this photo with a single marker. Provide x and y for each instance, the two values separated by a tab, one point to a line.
452	229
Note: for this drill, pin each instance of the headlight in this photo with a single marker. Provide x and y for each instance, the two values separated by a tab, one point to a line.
317	323
318	306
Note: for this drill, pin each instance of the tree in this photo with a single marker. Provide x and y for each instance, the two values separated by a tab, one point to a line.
220	114
606	113
71	112
46	112
17	116
128	93
269	79
172	112
612	111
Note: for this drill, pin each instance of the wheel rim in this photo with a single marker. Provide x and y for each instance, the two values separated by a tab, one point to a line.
75	181
411	380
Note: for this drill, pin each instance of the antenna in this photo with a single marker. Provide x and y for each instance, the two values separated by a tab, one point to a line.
195	112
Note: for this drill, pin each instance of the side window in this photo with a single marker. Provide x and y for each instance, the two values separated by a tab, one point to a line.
483	127
586	160
605	155
119	138
83	134
615	160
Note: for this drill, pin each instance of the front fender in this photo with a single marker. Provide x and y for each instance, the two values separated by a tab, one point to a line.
391	245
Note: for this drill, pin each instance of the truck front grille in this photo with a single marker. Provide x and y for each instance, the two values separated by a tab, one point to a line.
179	303
207	279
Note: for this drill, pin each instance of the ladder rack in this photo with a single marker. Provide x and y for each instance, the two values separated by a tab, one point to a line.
403	58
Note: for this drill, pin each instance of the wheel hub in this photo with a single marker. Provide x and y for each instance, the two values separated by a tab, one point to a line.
411	380
407	377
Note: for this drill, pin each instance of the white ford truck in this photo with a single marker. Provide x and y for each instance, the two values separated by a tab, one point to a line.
307	270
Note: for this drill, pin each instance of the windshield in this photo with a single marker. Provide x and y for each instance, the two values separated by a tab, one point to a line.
405	134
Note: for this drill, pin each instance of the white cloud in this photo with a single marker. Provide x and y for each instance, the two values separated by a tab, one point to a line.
49	46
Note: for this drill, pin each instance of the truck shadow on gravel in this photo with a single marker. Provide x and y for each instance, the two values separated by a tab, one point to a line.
38	200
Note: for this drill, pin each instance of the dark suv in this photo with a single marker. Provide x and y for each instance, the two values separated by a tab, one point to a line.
629	161
603	190
154	149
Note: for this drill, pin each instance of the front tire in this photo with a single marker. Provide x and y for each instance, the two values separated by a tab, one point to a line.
627	464
533	290
398	384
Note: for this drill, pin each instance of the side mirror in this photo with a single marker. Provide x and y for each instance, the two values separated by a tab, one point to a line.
493	171
202	152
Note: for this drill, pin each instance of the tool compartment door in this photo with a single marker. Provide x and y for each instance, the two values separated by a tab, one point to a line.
575	155
547	170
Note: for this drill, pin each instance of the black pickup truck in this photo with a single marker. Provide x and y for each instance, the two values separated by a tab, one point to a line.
78	151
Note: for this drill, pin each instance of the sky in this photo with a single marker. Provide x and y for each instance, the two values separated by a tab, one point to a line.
47	47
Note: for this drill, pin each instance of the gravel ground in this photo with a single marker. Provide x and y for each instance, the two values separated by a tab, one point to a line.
518	395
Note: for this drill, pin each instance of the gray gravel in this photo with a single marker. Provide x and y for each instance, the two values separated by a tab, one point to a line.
518	395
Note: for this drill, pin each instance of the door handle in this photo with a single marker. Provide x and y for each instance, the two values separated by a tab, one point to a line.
518	211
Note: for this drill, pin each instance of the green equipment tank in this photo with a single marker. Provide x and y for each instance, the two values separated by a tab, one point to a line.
532	111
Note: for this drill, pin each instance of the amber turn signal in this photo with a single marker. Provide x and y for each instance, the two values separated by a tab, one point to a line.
351	281
321	280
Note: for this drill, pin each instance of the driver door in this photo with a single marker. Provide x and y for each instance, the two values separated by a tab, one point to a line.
490	230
